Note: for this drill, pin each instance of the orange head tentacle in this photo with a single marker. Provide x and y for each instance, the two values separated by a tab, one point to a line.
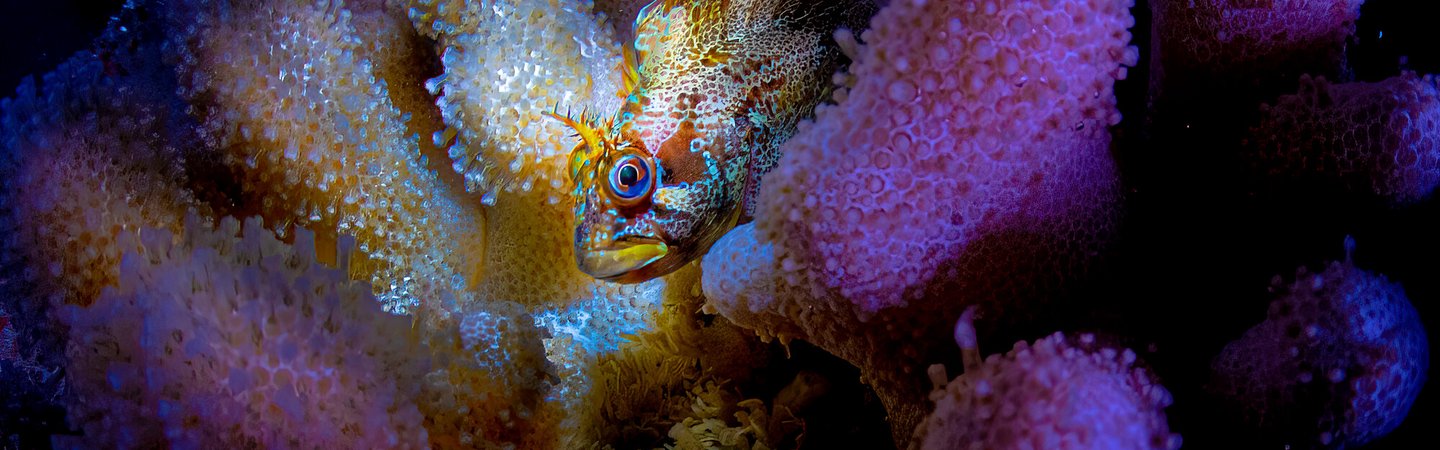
588	152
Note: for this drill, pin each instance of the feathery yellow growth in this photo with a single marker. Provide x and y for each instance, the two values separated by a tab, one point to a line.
655	379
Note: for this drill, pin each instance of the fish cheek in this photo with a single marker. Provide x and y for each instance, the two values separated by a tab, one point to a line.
673	211
680	158
675	202
592	224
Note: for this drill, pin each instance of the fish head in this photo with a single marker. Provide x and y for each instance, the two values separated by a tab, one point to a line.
642	214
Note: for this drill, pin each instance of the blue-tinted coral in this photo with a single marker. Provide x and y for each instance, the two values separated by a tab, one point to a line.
230	337
1374	139
1337	362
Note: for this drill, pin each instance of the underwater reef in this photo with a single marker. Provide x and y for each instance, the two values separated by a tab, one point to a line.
1009	224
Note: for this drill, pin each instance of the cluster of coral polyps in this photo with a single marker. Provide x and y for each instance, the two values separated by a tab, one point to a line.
89	155
1060	393
285	110
1213	62
290	98
1367	138
1337	362
966	163
233	338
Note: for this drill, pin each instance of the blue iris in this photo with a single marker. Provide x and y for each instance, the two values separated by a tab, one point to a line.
630	177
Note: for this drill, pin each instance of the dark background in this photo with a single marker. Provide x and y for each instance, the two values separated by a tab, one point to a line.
1199	246
35	36
1201	242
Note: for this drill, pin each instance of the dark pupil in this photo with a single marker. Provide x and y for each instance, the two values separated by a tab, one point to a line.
628	175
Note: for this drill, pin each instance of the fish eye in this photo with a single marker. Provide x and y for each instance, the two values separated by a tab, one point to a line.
631	177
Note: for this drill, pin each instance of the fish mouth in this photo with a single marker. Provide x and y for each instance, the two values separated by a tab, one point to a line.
622	261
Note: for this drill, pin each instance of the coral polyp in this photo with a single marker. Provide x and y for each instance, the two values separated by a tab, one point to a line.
1062	391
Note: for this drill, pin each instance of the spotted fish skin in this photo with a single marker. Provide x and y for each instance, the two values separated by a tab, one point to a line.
713	88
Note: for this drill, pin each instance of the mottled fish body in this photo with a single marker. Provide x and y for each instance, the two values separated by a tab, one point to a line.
712	89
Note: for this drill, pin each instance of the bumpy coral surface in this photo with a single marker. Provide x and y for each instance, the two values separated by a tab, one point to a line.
966	164
1060	393
92	150
323	147
289	97
1216	50
89	154
1337	362
1370	138
490	379
230	337
621	15
506	63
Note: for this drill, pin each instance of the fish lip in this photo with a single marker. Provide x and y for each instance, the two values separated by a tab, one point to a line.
623	257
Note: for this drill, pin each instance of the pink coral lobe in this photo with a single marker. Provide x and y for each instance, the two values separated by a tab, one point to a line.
1061	393
966	163
851	187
